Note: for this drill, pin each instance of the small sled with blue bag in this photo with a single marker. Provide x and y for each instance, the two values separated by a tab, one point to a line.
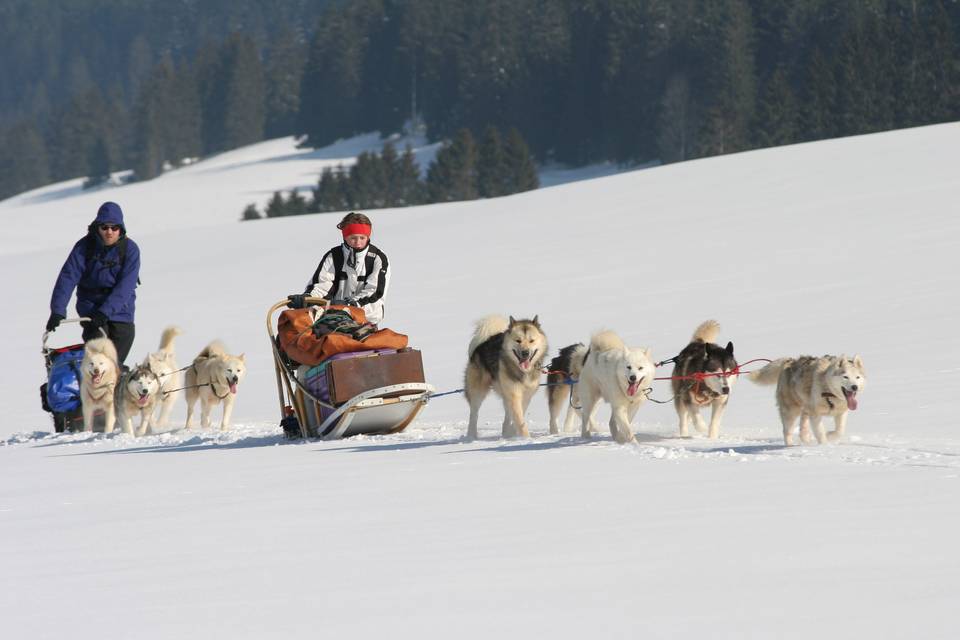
60	394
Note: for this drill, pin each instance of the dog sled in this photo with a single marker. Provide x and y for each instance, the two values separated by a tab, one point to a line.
371	389
60	394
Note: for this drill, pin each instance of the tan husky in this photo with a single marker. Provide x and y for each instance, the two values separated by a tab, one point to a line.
213	378
99	372
164	364
506	356
811	388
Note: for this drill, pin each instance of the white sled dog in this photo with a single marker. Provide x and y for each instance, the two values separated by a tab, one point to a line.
703	355
213	378
618	374
506	356
562	388
164	364
137	392
99	372
810	388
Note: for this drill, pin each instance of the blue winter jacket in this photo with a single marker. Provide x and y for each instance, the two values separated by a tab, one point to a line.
102	283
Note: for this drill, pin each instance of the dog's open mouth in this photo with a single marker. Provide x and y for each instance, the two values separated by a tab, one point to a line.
524	362
97	375
633	388
143	398
851	397
233	386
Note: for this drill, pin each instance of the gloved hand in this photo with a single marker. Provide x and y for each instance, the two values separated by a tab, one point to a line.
54	321
98	319
351	302
295	301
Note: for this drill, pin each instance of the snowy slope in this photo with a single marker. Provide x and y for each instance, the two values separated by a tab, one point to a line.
839	246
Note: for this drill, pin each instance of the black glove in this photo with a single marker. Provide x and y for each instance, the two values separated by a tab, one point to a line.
351	302
54	321
98	319
295	301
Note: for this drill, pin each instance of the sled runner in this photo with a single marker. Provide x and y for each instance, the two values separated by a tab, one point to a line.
60	394
341	388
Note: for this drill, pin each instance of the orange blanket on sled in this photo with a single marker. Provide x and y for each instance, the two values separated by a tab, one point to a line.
294	329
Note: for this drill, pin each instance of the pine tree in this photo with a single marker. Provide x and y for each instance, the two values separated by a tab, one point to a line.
493	174
677	122
389	162
23	160
521	169
328	196
453	175
276	208
776	119
99	164
409	187
819	111
284	71
250	213
296	204
244	114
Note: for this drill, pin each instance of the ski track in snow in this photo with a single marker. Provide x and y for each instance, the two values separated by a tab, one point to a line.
889	451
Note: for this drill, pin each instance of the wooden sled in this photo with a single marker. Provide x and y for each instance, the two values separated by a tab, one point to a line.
388	408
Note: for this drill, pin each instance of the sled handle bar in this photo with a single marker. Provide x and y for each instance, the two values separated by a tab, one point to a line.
46	334
314	302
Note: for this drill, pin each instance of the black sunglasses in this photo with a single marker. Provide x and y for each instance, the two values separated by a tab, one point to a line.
109	227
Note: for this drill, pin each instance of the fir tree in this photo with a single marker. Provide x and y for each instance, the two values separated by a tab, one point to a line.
776	120
677	124
250	213
521	169
409	187
493	173
23	160
99	164
819	111
276	208
453	174
295	205
284	71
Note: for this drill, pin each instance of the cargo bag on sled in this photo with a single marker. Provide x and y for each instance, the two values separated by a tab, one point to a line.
301	344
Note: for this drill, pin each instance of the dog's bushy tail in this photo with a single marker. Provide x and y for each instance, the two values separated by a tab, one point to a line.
708	331
212	350
606	341
166	339
486	328
770	373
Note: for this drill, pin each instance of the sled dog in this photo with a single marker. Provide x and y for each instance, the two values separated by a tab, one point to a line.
99	372
164	364
619	375
703	355
810	388
506	356
560	391
213	378
137	392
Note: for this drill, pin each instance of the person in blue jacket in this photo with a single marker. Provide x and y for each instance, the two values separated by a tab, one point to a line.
104	268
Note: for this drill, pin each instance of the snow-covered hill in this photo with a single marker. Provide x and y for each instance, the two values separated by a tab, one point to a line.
839	246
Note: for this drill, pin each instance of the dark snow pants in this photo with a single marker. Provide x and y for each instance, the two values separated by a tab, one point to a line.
120	332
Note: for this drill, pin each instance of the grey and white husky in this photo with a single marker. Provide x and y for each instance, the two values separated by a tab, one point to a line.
703	356
562	386
810	388
137	392
506	356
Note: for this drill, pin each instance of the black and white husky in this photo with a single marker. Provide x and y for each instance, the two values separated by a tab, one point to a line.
703	356
137	392
561	386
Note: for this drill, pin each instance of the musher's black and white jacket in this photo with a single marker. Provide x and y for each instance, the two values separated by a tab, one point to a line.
343	274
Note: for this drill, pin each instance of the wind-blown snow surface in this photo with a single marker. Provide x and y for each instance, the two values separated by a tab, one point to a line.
840	246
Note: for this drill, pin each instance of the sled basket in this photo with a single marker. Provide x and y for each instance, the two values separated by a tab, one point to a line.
60	394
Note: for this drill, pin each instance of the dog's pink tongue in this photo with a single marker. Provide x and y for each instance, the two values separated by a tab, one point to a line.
632	389
142	400
851	399
233	388
524	364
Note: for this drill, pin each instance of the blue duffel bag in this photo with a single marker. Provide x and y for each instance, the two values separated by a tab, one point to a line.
63	380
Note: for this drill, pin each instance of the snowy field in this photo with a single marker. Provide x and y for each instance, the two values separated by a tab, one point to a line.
846	246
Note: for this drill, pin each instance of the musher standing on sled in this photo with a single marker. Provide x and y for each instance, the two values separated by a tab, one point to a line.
104	267
355	273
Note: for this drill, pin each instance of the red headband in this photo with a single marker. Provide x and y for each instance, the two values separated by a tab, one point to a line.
355	228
